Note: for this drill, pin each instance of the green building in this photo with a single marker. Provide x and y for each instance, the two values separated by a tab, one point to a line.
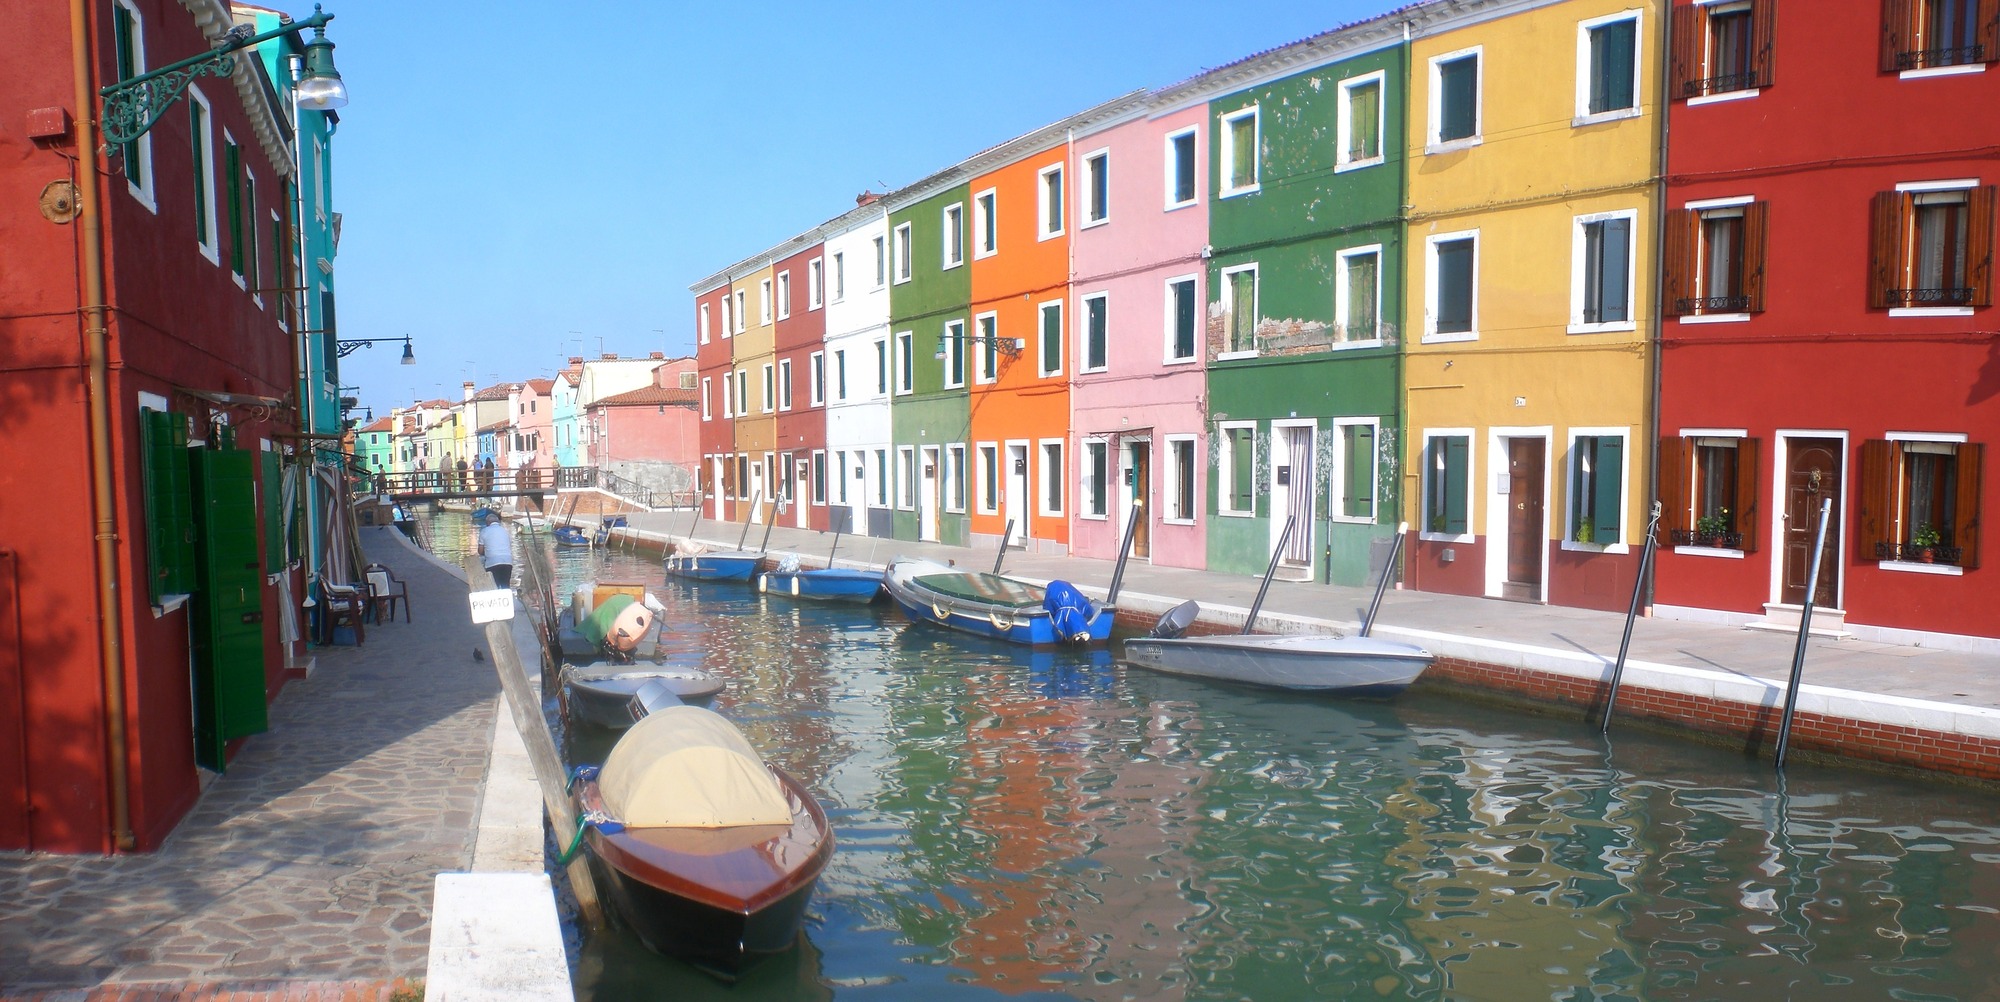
924	295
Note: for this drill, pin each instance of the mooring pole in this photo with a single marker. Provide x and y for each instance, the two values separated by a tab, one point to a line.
1631	614
755	500
697	517
1382	585
1805	630
1271	569
770	522
833	549
1124	551
1005	538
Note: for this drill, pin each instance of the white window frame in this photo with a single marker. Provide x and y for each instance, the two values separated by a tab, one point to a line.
986	224
764	299
950	346
1431	335
1083	342
840	374
1225	469
1041	333
1171	466
1225	186
742	391
704	323
882	261
728	314
1344	131
784	384
1337	481
1042	189
145	191
885	376
1229	304
815	283
1193	132
1569	542
986	331
1340	296
1097	160
1576	273
1583	30
816	379
817	470
902	363
1432	143
839	277
1424	480
1919	188
899	255
728	398
955	473
839	473
1096	453
990	478
785	295
742	310
212	247
707	404
769	386
1167	356
1048	476
906	478
951	217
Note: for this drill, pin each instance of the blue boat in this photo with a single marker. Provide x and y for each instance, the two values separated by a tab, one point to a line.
603	534
731	565
831	584
989	605
569	535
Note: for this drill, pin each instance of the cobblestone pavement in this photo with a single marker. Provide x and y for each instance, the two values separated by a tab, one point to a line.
310	862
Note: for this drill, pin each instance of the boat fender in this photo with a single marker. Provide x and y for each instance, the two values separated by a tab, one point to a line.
795	585
1069	612
938	610
1006	624
763	584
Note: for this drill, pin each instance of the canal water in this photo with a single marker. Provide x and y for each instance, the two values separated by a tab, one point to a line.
1057	825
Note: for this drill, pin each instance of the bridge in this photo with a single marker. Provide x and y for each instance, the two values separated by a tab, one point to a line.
475	485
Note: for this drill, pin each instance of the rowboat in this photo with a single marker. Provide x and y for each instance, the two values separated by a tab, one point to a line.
989	605
604	527
705	852
729	565
569	535
1349	666
600	693
832	584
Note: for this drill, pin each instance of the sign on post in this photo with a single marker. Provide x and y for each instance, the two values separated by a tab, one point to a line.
492	606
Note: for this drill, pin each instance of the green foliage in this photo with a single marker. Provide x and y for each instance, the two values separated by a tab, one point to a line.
1714	523
1926	535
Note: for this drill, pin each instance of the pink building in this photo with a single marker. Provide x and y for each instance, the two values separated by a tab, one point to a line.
1137	399
652	434
531	443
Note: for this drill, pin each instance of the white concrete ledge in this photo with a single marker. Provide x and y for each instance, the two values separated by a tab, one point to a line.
495	938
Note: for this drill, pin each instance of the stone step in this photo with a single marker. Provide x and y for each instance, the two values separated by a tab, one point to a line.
1780	617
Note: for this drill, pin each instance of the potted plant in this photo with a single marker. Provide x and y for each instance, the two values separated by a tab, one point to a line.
1925	539
1586	532
1710	528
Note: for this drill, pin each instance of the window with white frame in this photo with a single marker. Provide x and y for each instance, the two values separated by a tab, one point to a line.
1447	483
815	283
742	310
1241	140
1237	464
881	261
816	379
728	325
902	253
1921	499
1932	248
707	405
1049	202
1182	309
954	477
840	475
1454	101
1239	310
954	235
1359	131
728	396
1183	184
882	478
251	260
988	347
1451	286
985	223
952	343
784	295
1357	293
1732	52
1596	486
704	323
818	477
1607	68
1715	258
770	387
1051	328
989	478
1093	497
840	374
129	45
839	276
764	302
881	368
1053	474
906	477
1183	505
743	391
1601	272
1097	188
906	363
1356	489
784	384
201	124
1096	332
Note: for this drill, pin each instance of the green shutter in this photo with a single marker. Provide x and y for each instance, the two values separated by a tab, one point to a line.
1243	463
1607	499
1052	350
1457	462
198	131
1184	319
1243	151
169	516
1454	287
232	170
1361	316
1458	82
1364	115
123	26
1359	487
227	628
1611	56
273	499
1243	311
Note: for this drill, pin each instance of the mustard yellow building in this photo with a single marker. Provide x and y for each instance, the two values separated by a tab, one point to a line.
1533	181
754	390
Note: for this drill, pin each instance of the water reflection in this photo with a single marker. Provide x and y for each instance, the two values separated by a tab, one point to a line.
1054	825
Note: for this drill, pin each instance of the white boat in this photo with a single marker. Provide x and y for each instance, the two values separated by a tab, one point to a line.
1352	666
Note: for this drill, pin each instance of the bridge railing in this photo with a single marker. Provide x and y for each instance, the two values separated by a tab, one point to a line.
470	483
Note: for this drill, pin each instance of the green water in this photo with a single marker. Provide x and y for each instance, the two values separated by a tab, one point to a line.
1055	825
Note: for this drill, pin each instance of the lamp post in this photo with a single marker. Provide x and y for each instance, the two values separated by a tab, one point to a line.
131	107
349	346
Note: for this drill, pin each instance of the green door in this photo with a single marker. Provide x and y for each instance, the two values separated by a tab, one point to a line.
228	622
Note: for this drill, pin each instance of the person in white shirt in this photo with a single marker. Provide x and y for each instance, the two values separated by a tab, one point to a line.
496	550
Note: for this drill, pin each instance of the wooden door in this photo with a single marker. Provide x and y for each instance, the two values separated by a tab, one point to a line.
1812	475
1525	472
1140	457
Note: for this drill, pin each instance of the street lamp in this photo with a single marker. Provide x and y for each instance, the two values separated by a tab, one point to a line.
349	347
131	107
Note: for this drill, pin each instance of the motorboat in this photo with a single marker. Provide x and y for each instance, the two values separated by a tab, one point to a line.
1351	666
604	526
569	535
726	565
990	605
600	693
831	584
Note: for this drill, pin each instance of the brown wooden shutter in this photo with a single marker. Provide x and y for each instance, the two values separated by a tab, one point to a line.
1756	223
1878	523
1979	245
1885	261
1681	227
1895	32
1966	532
1989	29
1746	492
1673	462
1763	37
1684	59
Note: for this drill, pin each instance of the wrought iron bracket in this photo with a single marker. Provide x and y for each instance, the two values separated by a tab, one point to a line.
131	107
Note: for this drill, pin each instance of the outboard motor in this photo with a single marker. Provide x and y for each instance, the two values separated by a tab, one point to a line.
1069	612
654	695
1176	622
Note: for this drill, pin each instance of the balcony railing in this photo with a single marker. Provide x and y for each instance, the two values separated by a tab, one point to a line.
1695	537
1914	554
1958	55
1724	84
1930	297
1712	304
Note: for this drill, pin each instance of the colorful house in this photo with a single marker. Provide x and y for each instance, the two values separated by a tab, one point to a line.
916	368
374	445
650	435
531	438
856	251
800	334
714	329
564	419
754	366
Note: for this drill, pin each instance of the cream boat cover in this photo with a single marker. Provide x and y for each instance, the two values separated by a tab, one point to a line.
686	767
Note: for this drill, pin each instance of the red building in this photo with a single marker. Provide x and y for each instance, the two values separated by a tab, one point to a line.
800	338
714	327
1831	330
145	371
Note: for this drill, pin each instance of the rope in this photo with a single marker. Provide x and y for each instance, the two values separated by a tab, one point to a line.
575	841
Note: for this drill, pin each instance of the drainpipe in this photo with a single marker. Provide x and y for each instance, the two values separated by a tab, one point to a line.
110	605
1655	348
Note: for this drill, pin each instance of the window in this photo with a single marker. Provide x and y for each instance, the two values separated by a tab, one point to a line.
135	157
742	311
1454	101
1447	479
954	477
742	476
1053	476
1181	504
201	126
232	180
726	315
881	262
170	550
882	478
902	253
1181	310
764	302
770	387
728	396
1182	188
743	391
1237	494
247	270
816	378
1360	125
818	477
1451	287
1097	188
1596	488
1052	339
840	374
954	235
784	384
1708	489
704	323
1601	273
840	475
840	276
1240	143
989	347
906	477
1050	203
985	225
881	368
784	295
1933	247
707	406
1920	499
952	344
1721	48
1096	473
815	283
1935	34
1356	494
1607	72
1715	258
1357	294
1239	310
989	479
906	367
1094	333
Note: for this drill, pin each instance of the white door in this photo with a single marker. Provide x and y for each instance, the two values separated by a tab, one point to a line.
801	488
757	497
1014	503
927	494
715	490
1292	491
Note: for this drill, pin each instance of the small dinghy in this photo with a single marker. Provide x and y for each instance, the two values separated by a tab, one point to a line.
828	584
569	535
600	693
728	565
989	605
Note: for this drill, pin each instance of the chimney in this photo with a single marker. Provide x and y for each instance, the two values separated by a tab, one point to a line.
576	360
611	356
866	198
658	355
468	389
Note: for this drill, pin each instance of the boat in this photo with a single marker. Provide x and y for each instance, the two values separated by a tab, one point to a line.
600	693
1349	666
705	852
728	565
989	605
604	527
831	584
569	535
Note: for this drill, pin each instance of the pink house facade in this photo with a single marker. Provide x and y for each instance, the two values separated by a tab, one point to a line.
531	443
1138	396
650	435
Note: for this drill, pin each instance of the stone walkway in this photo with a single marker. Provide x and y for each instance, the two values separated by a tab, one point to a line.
306	871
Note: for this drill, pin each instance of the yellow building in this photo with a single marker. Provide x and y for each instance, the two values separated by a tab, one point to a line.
754	387
1532	192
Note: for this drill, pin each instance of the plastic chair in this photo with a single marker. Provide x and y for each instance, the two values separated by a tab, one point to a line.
385	592
341	605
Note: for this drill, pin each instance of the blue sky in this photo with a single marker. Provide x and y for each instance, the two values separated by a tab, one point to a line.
520	180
